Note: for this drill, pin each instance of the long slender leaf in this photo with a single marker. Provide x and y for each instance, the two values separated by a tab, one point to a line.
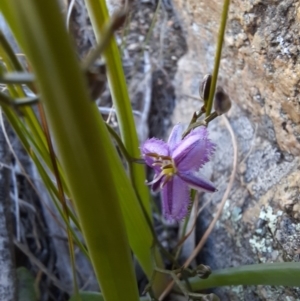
283	273
99	17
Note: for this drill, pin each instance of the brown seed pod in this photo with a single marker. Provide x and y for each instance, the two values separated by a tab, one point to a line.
204	87
203	271
222	103
118	19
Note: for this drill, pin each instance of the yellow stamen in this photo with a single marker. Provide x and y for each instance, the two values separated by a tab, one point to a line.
167	168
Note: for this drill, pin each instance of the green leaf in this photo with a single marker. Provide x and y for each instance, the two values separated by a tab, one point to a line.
283	273
99	17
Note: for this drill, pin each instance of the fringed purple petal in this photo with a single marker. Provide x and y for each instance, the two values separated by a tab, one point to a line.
175	199
197	182
175	137
194	151
154	146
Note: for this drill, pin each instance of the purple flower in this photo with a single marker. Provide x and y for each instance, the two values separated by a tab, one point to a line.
175	165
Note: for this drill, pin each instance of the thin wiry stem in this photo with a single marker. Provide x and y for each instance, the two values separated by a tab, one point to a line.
61	193
116	20
214	221
69	13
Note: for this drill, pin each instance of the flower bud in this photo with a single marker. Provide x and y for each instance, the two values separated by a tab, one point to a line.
222	103
204	87
118	19
203	271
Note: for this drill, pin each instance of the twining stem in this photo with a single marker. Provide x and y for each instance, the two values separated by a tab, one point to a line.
213	80
217	57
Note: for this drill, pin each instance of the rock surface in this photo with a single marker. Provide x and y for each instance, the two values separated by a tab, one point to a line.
8	281
260	71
